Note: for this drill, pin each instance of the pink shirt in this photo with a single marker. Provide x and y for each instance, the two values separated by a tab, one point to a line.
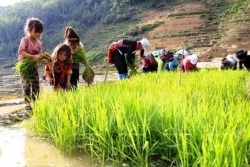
187	65
29	47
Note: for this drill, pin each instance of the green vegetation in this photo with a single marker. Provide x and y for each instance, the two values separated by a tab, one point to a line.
203	122
25	66
140	30
101	22
187	13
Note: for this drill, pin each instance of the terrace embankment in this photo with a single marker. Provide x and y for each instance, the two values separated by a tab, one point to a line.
190	25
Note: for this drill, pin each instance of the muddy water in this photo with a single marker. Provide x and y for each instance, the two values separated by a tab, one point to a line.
19	148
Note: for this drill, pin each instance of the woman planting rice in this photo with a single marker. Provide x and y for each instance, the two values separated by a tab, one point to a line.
161	57
244	59
149	63
122	54
229	62
28	51
177	59
78	56
189	63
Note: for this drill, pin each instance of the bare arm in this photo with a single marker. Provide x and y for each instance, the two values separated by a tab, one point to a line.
27	55
68	81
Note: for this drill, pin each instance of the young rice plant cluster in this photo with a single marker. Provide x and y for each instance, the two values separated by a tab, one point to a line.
149	120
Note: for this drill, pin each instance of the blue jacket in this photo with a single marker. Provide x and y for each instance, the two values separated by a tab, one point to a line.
174	63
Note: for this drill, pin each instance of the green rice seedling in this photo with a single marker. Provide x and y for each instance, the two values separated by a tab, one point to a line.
133	71
80	56
88	73
25	66
151	121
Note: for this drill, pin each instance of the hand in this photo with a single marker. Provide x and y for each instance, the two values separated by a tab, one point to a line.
136	66
50	81
34	57
67	85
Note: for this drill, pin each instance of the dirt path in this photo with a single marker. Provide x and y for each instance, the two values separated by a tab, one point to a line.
9	109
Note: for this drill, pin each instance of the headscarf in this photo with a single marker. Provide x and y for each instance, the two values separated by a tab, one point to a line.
241	54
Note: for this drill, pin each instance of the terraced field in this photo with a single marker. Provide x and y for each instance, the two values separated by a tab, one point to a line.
202	27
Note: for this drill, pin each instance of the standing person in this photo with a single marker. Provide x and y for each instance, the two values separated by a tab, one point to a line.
122	52
29	48
189	63
62	71
244	59
229	62
73	41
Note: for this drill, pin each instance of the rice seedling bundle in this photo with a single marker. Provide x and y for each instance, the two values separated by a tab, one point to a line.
25	66
46	59
80	56
133	71
88	73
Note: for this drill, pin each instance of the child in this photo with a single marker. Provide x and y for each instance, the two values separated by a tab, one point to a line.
62	67
189	63
123	51
73	41
29	48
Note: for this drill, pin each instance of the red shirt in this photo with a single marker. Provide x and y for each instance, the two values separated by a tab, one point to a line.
188	65
61	70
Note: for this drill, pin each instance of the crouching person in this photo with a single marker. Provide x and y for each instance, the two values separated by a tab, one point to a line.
162	57
244	59
229	62
189	63
122	52
174	64
60	75
149	63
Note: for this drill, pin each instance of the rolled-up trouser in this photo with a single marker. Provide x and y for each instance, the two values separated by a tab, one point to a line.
120	64
160	64
31	86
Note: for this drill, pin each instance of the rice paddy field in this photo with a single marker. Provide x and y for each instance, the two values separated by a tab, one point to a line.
151	120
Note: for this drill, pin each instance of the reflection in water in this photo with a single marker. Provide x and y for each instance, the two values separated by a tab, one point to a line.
20	149
12	143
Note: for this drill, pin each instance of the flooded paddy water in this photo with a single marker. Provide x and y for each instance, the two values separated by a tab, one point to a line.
19	148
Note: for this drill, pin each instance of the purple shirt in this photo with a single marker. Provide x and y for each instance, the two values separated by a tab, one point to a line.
27	46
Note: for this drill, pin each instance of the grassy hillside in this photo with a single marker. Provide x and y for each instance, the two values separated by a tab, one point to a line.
210	28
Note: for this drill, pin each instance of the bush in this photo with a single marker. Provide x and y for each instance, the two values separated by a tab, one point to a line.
149	27
109	18
96	57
